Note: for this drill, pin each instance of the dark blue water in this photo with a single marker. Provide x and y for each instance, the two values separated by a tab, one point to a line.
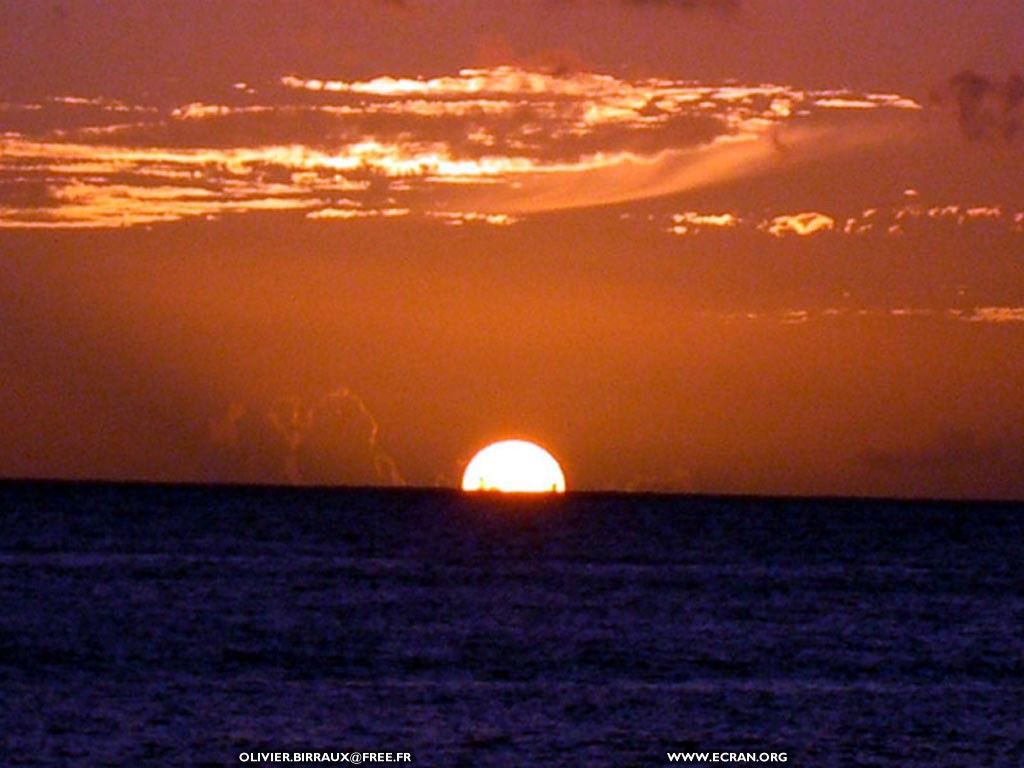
183	626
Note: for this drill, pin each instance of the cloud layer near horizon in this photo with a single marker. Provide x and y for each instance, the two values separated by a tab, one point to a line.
479	144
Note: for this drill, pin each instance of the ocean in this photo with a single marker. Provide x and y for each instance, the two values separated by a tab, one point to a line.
186	625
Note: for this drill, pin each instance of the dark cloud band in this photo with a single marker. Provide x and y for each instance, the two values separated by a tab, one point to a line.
986	108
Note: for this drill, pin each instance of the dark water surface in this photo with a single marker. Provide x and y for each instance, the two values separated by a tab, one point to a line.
182	626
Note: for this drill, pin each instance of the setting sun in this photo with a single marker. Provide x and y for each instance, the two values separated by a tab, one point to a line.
514	466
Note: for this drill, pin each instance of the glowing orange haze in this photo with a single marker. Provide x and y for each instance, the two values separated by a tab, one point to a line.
683	262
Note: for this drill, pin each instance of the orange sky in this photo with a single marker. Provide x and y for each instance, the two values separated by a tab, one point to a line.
732	251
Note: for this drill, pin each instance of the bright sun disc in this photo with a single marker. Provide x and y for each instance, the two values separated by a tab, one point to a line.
514	466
